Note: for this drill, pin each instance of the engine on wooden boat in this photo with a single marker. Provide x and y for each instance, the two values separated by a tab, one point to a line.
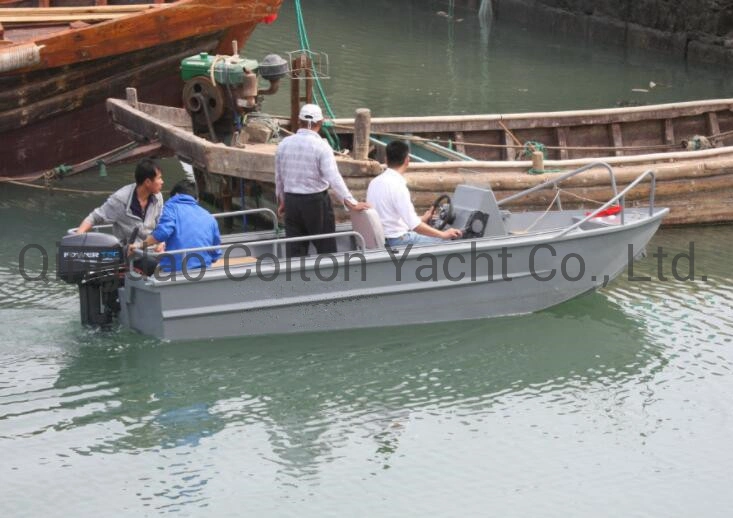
94	262
221	91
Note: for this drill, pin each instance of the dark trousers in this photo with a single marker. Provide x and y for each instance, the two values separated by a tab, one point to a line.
307	215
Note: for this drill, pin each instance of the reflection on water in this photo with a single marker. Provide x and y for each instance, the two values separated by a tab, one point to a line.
310	398
291	410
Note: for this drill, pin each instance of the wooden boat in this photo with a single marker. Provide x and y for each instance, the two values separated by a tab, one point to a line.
59	64
485	150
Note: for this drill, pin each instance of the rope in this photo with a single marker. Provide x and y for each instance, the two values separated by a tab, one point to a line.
219	57
716	136
20	56
531	146
542	216
534	171
413	138
74	191
12	179
569	193
328	129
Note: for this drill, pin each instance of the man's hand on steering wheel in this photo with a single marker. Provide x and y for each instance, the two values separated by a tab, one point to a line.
452	233
445	216
428	215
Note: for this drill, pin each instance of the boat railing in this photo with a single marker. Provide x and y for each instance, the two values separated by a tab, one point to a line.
95	228
621	198
248	245
554	182
247	212
218	215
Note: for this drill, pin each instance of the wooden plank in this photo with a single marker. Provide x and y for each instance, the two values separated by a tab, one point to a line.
668	131
460	142
62	18
617	140
510	153
521	121
562	141
713	126
40	11
168	22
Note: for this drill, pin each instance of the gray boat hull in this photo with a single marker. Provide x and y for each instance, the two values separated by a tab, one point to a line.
439	283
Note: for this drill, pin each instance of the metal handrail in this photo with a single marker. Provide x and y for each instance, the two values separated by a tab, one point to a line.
620	196
249	211
95	227
556	181
216	216
247	244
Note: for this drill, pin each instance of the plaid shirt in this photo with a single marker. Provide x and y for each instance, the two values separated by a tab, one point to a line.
304	164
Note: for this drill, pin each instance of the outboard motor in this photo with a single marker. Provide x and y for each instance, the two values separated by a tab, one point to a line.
95	262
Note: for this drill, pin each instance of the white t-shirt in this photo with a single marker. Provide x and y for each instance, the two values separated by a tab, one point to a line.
389	196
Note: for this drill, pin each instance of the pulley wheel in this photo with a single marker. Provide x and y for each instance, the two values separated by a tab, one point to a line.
200	95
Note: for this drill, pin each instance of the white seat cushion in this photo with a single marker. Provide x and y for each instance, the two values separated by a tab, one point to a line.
368	225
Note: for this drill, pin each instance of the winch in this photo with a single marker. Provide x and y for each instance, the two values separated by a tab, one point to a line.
219	90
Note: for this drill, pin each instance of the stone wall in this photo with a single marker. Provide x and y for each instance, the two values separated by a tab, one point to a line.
699	31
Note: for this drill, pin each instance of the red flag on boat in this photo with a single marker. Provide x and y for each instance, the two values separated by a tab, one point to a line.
610	211
270	18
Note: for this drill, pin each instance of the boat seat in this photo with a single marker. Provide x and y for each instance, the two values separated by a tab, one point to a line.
234	261
367	224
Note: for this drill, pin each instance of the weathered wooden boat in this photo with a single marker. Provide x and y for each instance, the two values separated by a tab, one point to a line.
689	145
59	64
507	264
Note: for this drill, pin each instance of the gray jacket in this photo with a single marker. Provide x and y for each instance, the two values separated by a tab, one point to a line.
116	210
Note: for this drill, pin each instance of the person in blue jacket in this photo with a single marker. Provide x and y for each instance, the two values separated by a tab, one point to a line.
185	224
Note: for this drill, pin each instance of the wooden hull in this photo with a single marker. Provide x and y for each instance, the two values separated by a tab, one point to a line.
53	113
697	186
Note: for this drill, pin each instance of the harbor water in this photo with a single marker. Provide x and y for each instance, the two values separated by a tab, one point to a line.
618	403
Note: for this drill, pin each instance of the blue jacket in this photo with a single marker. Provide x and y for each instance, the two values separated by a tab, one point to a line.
185	224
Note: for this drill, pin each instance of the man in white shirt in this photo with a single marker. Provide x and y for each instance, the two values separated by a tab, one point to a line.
389	196
305	169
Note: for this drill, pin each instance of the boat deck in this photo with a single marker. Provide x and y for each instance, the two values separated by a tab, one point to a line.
22	23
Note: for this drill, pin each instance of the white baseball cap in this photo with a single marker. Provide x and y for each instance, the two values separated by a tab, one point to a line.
311	112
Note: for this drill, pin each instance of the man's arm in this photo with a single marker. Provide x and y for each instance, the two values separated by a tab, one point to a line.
106	213
427	230
279	182
216	241
418	224
330	173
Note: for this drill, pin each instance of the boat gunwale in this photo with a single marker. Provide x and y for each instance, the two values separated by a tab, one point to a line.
53	46
120	104
689	107
488	244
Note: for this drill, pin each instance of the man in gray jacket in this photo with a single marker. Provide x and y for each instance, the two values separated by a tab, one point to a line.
137	205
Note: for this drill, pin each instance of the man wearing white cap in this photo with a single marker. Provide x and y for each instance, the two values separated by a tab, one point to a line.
305	169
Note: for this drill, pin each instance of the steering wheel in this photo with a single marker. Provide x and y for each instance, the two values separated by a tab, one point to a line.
443	215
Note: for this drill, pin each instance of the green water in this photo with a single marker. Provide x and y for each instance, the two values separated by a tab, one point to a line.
615	404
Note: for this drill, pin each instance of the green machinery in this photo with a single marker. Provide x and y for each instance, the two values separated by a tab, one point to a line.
219	90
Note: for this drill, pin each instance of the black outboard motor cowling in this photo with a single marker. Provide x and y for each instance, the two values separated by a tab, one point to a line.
81	256
95	262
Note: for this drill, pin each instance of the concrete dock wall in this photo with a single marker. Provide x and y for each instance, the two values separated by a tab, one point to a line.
698	31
